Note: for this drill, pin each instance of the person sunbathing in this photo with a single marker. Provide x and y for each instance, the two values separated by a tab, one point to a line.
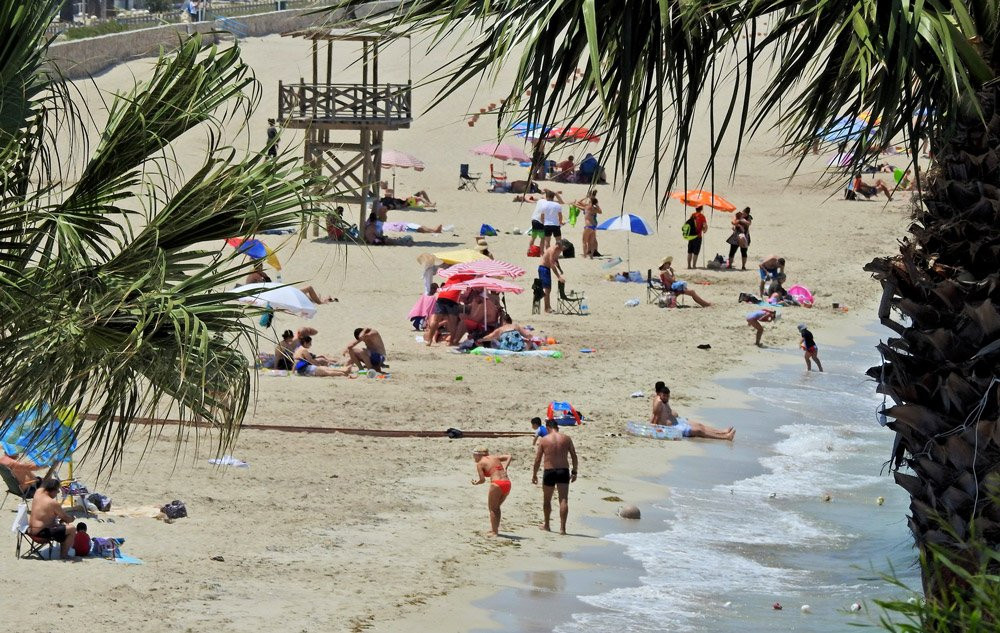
410	227
372	355
419	200
663	415
309	364
868	190
23	470
510	336
675	285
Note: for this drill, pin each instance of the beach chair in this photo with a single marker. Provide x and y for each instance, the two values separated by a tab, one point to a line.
569	303
498	179
537	294
467	181
654	287
35	544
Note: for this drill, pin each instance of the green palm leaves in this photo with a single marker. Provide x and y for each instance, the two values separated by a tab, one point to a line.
110	268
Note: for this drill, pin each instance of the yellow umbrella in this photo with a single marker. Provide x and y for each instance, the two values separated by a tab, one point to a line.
460	256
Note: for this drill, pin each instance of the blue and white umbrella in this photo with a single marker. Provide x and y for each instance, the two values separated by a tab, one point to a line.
629	223
531	130
845	129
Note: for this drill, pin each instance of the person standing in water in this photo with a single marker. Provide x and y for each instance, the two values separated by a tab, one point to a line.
808	345
494	468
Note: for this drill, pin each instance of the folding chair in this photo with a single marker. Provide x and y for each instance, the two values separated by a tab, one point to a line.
537	294
35	543
654	287
14	486
569	303
497	178
466	180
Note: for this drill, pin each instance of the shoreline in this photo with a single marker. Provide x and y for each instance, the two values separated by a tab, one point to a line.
604	564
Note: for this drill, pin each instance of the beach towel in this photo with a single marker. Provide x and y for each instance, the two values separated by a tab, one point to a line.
488	351
511	341
229	460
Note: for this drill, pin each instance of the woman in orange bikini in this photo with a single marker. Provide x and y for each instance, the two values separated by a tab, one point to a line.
495	468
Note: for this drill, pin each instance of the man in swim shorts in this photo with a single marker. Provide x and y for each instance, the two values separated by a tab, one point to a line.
372	355
495	468
770	267
552	217
556	450
305	363
663	415
538	216
48	520
550	262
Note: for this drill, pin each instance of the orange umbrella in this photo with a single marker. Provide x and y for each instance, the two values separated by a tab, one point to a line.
699	198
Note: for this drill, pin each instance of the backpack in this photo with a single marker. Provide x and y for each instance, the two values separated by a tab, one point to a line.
689	230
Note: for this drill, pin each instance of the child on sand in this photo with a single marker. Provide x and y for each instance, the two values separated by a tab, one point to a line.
539	429
808	345
495	468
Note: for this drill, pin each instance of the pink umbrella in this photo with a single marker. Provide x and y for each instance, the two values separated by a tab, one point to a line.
395	158
483	268
487	284
503	151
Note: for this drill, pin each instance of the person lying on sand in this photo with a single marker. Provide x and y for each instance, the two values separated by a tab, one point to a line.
755	318
870	189
663	415
309	364
495	468
510	336
420	199
258	276
372	355
676	285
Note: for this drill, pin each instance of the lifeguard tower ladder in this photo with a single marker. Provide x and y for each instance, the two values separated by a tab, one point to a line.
326	110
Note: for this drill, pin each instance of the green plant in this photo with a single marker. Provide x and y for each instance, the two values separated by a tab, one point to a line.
103	28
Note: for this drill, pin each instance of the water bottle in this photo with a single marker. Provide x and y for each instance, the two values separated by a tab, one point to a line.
631	303
583	304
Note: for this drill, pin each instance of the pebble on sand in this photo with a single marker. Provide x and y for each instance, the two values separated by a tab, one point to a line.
629	512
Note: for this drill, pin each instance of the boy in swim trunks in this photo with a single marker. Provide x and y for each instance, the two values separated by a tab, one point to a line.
495	468
372	356
663	415
550	262
808	345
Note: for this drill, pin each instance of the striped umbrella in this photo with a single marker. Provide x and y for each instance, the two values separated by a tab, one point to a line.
483	268
394	158
488	285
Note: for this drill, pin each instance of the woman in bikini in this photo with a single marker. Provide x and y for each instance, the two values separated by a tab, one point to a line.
495	468
590	210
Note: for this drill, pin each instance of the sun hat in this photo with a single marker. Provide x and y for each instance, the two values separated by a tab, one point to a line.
668	260
801	326
426	260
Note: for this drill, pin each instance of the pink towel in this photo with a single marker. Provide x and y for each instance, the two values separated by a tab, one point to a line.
424	306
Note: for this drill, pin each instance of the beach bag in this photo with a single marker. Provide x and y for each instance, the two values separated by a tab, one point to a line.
511	341
454	433
569	252
175	510
102	502
534	250
564	413
689	230
486	229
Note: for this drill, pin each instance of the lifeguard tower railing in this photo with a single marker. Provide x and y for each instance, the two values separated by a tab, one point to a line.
387	106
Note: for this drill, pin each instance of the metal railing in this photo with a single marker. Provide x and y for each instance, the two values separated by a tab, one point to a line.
383	103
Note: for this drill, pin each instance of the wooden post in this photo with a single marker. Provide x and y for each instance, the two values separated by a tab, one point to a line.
329	62
365	161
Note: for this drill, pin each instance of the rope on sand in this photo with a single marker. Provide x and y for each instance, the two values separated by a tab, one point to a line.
327	430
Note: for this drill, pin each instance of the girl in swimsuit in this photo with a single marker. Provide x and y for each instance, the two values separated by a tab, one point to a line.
494	467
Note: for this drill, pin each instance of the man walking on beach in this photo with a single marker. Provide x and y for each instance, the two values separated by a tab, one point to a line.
556	449
550	263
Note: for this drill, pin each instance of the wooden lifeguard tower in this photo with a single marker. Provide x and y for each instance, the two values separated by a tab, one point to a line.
326	110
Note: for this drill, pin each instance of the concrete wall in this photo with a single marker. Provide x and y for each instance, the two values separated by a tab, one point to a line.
81	58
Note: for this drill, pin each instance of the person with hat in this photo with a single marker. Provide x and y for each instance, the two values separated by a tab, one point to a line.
431	266
675	285
755	318
808	345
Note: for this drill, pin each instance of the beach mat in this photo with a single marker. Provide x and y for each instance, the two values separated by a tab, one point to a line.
489	351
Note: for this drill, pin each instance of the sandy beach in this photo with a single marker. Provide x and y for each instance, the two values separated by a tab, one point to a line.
336	532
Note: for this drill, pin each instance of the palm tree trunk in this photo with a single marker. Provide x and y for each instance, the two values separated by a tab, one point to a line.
941	371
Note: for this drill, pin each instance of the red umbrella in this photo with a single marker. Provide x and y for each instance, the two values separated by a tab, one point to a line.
483	268
700	198
572	134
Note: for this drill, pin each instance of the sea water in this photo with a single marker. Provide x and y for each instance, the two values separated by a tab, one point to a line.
789	516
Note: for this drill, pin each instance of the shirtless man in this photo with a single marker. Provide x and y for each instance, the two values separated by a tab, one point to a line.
663	415
495	468
770	267
305	363
23	471
48	519
372	355
550	262
556	449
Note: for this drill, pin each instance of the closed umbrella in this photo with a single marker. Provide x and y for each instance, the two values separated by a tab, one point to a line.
279	297
629	223
483	267
392	158
502	151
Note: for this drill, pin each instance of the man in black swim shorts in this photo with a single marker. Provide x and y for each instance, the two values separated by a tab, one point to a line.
556	449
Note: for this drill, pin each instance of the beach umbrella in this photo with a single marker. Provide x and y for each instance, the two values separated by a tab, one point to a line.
572	134
502	151
254	249
44	435
488	284
279	297
630	224
459	256
531	131
701	198
392	158
843	129
484	268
